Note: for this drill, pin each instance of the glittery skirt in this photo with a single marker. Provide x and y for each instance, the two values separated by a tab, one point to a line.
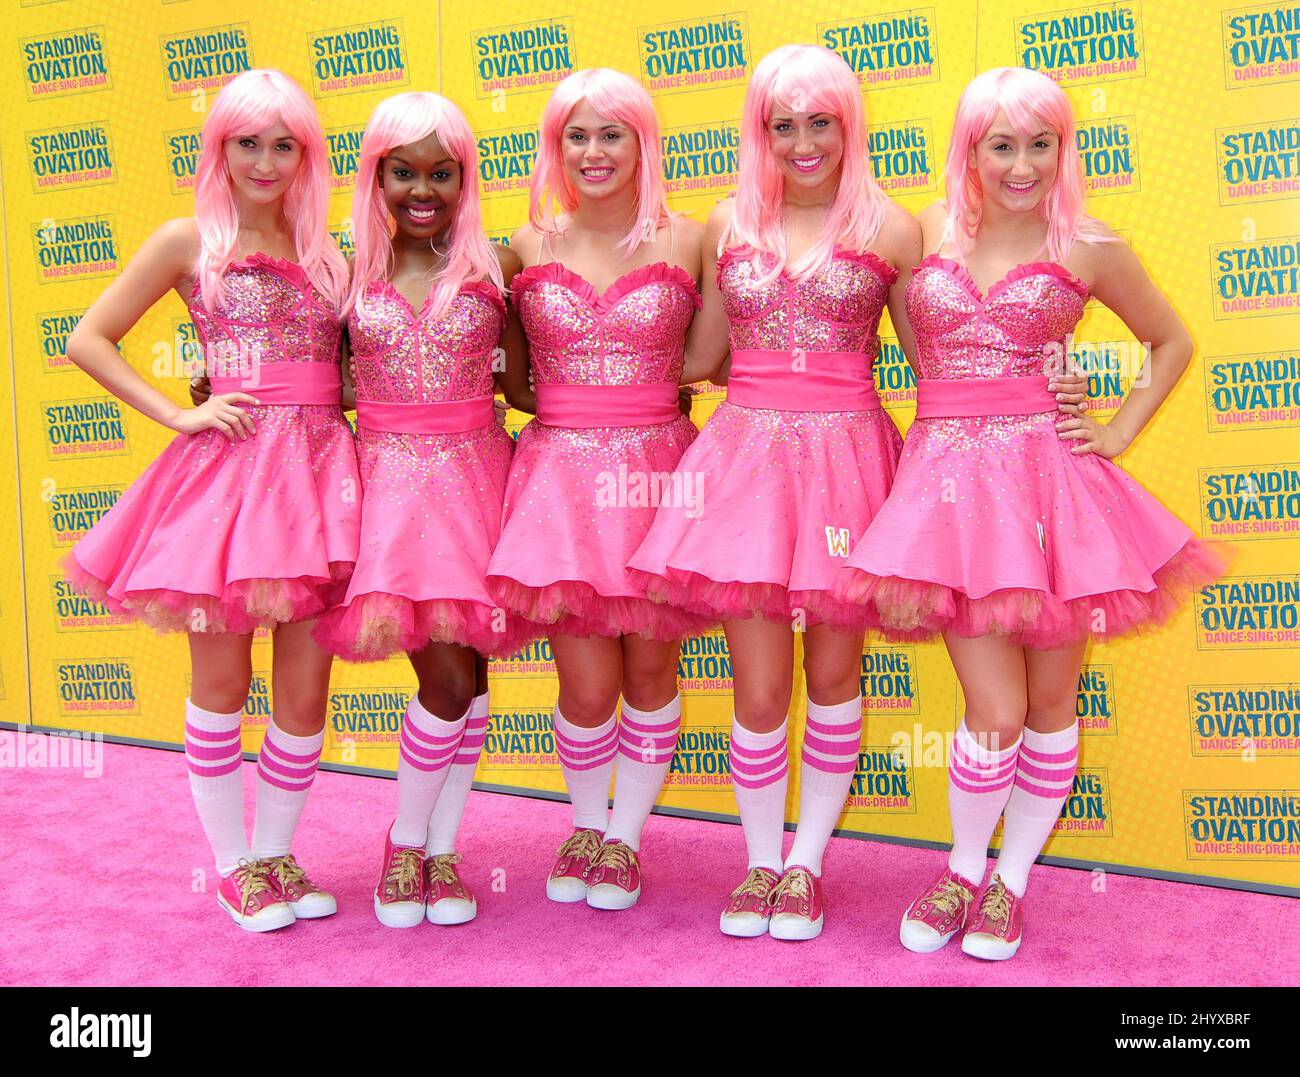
230	536
784	496
995	527
430	517
579	503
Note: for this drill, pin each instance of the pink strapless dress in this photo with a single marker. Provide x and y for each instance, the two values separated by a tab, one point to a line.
993	525
433	466
222	536
796	461
580	499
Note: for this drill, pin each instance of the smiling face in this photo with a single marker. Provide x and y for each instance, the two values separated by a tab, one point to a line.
807	146
263	165
421	185
600	156
1016	170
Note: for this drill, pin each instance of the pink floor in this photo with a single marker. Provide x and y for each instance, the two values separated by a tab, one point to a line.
101	876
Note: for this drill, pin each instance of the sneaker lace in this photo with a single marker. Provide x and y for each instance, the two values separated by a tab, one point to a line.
757	884
614	855
442	868
252	879
795	882
996	904
404	870
582	843
287	870
947	896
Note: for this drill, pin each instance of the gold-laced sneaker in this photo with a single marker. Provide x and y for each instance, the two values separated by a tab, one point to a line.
248	895
573	861
448	899
307	900
615	878
938	914
748	911
995	931
400	892
798	908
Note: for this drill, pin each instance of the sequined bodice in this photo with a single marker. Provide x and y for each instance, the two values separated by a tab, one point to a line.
635	333
269	313
835	310
405	356
1013	331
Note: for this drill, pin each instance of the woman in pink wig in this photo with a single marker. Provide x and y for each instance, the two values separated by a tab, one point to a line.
249	518
796	462
425	317
606	296
1008	529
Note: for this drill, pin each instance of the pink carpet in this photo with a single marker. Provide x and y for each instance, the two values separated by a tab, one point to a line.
98	877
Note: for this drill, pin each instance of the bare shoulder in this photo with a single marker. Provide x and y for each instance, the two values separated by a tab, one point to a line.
508	259
688	229
932	220
526	244
900	233
177	241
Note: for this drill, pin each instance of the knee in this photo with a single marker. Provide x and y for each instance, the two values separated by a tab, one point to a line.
761	708
449	695
224	696
588	705
1049	712
828	687
998	723
647	686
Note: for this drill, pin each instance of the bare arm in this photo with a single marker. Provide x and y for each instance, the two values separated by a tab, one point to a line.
1124	285
512	377
162	264
706	343
900	243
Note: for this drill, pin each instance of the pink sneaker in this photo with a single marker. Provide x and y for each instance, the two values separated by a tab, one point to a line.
449	900
938	914
307	900
400	893
615	879
573	860
253	903
748	912
797	906
994	930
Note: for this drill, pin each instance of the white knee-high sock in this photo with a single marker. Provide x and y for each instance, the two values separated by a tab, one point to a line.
587	762
428	746
647	740
213	756
831	741
979	782
1044	777
760	775
449	808
286	767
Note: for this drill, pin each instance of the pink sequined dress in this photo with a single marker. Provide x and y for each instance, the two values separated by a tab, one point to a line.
795	462
229	536
585	478
993	525
433	472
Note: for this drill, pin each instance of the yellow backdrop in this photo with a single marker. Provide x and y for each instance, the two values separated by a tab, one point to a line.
1191	735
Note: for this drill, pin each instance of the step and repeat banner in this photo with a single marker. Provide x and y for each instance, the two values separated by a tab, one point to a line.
1191	148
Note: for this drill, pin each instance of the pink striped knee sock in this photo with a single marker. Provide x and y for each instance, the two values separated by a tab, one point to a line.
587	762
428	746
646	742
448	810
760	773
979	782
286	766
1044	777
831	740
213	756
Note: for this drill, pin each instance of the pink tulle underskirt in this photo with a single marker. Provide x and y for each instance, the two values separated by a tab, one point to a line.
574	608
909	610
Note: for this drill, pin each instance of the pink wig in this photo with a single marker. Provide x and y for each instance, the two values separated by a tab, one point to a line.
250	103
617	97
803	78
399	121
1032	103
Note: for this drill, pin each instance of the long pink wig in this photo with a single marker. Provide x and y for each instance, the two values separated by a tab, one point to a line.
399	121
1032	103
617	97
250	103
803	78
